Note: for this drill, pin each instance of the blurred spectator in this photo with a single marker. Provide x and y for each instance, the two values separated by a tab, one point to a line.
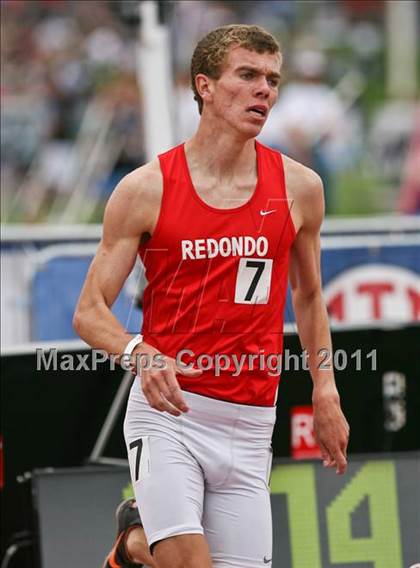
71	116
409	198
191	20
68	68
389	136
309	122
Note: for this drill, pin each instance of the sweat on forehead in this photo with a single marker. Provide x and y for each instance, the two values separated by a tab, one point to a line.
239	57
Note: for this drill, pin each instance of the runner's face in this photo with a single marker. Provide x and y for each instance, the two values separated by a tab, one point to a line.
247	89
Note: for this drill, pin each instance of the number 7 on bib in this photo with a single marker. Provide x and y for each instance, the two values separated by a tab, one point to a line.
253	281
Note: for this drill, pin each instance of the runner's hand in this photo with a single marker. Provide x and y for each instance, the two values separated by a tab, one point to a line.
331	428
158	379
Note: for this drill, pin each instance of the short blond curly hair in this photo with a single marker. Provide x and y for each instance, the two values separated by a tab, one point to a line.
210	53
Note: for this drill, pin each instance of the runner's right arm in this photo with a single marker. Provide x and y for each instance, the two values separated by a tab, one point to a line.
130	214
126	218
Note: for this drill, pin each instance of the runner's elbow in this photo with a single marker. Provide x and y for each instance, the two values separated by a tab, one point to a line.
79	321
82	319
310	292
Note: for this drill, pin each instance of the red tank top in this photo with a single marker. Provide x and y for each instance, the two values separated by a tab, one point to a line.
217	281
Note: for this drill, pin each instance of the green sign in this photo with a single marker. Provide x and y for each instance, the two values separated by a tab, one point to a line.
369	518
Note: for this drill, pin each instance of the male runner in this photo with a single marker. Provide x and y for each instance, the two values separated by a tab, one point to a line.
215	221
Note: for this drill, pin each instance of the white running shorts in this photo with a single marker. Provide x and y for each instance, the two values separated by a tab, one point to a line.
204	472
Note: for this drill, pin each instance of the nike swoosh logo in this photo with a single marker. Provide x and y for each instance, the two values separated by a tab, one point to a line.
267	560
267	212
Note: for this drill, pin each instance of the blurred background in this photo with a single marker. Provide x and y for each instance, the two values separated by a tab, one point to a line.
93	89
71	82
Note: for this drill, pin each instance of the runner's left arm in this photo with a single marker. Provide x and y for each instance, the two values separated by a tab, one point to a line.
330	426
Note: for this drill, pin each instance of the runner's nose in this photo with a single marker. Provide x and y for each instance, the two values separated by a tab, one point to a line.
263	88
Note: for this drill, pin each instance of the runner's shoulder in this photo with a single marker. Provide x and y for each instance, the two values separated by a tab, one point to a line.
144	183
304	188
300	179
136	197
